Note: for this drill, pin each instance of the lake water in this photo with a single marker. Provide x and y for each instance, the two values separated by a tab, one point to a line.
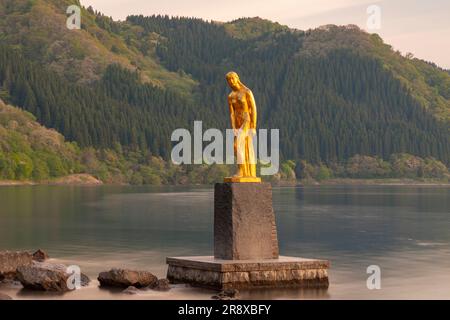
405	230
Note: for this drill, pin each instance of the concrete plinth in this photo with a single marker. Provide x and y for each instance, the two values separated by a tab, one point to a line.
208	272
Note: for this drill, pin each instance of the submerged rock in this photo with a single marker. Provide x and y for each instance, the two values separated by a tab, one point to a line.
85	280
10	261
10	283
131	290
40	256
230	294
125	278
160	285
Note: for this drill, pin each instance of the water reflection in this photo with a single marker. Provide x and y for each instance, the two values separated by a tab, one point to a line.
404	230
285	294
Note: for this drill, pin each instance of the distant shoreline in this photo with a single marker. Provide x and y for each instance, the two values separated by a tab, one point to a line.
74	179
380	182
6	183
88	180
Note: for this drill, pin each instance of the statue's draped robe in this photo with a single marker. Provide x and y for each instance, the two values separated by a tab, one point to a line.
243	147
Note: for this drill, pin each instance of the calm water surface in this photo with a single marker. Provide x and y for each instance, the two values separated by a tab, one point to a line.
405	230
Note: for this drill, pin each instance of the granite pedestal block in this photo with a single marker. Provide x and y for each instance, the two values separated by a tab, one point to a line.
244	222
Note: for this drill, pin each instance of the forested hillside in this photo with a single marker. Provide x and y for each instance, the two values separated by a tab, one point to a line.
334	92
329	104
30	151
116	110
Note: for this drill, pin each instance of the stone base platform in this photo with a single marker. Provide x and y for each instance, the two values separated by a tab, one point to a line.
208	272
242	179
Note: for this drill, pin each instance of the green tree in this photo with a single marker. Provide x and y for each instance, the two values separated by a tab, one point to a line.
23	166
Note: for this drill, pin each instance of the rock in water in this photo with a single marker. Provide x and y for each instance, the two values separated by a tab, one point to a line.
4	297
131	290
231	294
125	278
40	256
161	285
44	276
10	283
10	261
85	280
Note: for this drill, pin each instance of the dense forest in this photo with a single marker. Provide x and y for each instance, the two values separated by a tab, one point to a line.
335	93
117	109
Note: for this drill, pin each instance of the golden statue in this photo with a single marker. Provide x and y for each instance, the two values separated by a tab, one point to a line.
243	122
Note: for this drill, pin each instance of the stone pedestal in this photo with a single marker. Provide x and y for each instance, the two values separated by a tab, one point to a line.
246	247
244	222
282	272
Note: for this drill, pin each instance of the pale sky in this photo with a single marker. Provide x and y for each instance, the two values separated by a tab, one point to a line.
421	27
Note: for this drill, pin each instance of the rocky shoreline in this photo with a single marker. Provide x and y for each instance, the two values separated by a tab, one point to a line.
80	179
34	274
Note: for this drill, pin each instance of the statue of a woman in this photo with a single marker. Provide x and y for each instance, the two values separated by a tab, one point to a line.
243	121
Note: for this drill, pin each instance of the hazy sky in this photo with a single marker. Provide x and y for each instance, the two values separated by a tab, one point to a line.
421	27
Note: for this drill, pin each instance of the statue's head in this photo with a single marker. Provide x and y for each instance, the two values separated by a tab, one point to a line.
233	80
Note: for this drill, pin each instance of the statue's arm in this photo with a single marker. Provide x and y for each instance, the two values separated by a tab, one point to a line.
252	109
230	105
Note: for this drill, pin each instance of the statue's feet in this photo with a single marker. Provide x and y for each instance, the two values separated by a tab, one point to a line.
238	174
